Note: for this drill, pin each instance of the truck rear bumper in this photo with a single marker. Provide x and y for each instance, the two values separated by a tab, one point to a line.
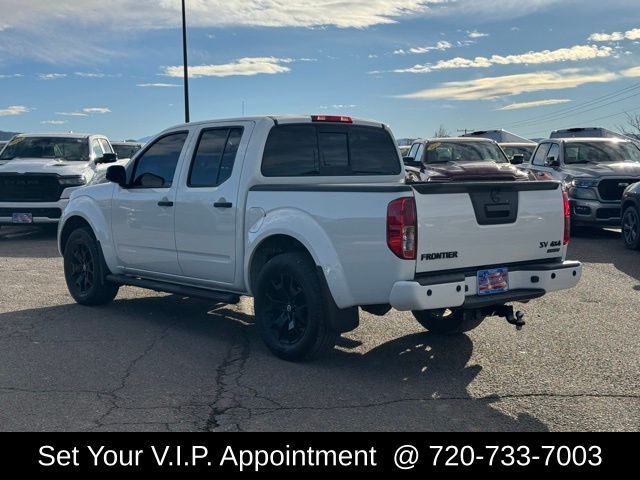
460	289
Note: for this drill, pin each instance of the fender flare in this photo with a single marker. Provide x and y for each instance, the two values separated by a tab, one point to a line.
302	227
86	208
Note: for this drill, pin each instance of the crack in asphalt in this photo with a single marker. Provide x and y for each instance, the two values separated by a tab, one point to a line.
111	396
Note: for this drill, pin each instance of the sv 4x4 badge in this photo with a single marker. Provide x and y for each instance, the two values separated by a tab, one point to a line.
552	247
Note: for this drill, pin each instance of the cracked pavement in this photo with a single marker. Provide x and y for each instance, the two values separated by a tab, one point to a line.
158	362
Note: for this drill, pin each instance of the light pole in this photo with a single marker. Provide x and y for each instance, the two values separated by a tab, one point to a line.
185	64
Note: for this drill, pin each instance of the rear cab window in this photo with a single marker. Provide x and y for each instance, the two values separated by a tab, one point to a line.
329	150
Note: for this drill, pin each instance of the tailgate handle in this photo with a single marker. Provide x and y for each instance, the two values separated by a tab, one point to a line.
497	211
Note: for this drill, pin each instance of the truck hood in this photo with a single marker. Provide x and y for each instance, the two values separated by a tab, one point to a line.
631	169
43	165
472	171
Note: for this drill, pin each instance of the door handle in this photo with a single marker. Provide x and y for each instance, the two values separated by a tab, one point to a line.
223	204
165	203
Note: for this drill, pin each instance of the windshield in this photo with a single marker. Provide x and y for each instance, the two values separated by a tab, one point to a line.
71	149
442	152
125	151
600	152
525	151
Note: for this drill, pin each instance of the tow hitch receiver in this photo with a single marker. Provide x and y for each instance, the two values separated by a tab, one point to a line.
507	312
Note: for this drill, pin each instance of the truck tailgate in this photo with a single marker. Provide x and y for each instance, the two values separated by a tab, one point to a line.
473	224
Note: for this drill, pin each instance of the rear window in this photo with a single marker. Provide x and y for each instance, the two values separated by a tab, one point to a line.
329	150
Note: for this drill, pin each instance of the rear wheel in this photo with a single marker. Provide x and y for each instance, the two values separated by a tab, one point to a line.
447	321
631	228
85	271
291	310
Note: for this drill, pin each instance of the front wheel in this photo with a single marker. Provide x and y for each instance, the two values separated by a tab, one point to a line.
631	228
85	272
291	310
447	321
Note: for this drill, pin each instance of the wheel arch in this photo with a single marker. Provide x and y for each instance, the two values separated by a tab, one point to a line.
275	237
71	224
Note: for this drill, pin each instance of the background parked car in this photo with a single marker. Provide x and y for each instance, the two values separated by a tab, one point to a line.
595	172
38	172
460	158
631	216
126	149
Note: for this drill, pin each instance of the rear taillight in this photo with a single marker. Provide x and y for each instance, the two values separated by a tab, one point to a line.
331	118
567	219
402	228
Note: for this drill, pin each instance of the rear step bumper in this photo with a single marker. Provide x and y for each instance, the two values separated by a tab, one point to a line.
460	289
222	297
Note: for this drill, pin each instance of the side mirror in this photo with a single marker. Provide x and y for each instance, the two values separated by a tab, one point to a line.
517	159
107	158
553	162
117	174
411	162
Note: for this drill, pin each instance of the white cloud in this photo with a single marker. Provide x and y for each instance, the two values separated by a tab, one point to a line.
242	67
476	34
150	14
441	45
72	114
489	88
96	110
158	85
14	110
53	122
577	52
92	74
533	104
631	72
633	34
93	31
11	75
52	76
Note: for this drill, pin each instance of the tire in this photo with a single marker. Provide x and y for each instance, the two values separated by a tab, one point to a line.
447	321
85	271
631	228
291	312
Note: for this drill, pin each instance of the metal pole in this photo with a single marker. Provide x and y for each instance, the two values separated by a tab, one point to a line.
185	64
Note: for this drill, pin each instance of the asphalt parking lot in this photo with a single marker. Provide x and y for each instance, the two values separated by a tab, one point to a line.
154	361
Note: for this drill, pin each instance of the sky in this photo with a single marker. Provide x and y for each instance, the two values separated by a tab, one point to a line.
115	67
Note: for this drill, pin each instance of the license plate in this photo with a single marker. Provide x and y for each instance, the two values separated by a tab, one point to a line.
494	280
22	218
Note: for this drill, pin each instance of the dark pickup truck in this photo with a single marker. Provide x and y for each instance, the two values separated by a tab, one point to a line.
460	159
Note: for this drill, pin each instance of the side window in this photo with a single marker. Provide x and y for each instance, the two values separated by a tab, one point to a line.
156	167
291	150
419	152
553	154
541	154
106	146
96	149
413	151
215	154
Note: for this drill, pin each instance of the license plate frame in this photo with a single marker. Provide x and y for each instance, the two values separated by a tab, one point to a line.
492	281
22	218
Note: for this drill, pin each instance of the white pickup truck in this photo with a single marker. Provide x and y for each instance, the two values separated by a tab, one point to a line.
311	217
38	172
